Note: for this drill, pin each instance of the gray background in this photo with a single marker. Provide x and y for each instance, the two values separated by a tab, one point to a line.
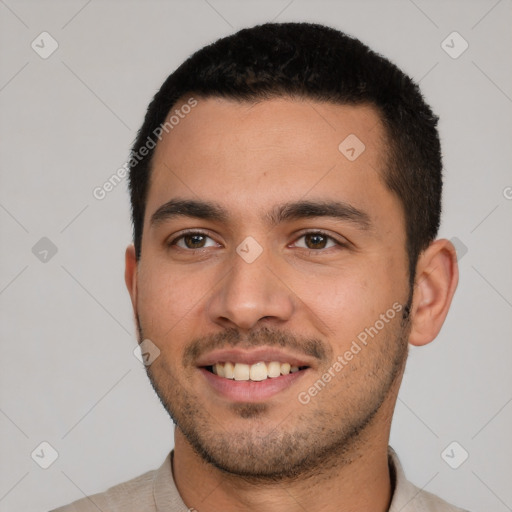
68	373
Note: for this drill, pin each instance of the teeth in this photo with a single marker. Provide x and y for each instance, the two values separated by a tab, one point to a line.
258	371
219	370
229	370
255	372
274	369
242	371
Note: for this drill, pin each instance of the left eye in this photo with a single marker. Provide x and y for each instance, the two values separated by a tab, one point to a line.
317	241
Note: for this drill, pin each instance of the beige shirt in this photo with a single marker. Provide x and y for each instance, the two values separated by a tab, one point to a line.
155	491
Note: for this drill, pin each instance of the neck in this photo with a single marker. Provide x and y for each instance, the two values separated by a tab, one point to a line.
357	480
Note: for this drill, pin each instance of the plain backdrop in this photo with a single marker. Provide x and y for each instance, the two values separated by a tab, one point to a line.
68	373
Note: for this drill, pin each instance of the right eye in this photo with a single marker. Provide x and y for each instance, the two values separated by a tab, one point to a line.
192	240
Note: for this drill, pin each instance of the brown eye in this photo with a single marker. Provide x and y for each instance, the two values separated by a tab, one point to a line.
193	240
316	240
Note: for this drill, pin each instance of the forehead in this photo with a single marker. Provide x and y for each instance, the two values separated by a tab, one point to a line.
215	124
253	155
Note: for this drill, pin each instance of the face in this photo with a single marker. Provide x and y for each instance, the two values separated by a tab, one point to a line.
265	248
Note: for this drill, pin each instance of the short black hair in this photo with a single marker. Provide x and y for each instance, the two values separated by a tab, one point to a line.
311	61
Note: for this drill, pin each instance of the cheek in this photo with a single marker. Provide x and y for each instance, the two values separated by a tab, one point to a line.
337	303
167	306
166	297
344	303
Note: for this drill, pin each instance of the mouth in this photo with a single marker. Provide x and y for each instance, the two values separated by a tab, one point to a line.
257	372
252	376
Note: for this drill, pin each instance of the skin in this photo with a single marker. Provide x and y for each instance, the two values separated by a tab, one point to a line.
316	294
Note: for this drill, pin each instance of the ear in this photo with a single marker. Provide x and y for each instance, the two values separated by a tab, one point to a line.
437	275
130	275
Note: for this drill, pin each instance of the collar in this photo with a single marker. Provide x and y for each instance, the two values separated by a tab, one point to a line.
167	498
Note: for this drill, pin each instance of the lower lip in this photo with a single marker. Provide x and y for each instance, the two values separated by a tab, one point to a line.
248	390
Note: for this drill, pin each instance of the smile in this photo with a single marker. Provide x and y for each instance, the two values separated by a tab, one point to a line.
254	372
254	375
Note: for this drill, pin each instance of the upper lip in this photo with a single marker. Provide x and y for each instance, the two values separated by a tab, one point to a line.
252	356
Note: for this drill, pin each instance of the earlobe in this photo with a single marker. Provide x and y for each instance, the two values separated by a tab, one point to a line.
130	275
436	279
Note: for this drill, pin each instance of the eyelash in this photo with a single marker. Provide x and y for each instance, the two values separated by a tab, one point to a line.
303	234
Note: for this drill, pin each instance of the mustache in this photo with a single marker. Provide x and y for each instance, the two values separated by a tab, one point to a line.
265	336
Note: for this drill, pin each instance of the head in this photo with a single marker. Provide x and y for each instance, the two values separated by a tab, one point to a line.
286	195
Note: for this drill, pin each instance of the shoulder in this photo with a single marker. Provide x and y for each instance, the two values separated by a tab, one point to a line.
426	501
409	498
133	495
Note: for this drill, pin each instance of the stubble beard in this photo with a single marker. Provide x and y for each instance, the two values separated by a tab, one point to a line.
307	442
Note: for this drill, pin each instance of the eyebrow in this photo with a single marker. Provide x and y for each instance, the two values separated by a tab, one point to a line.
286	212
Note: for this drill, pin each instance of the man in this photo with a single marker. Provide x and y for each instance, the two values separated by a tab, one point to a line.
286	191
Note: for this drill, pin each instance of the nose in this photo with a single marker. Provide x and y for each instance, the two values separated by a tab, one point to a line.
249	293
